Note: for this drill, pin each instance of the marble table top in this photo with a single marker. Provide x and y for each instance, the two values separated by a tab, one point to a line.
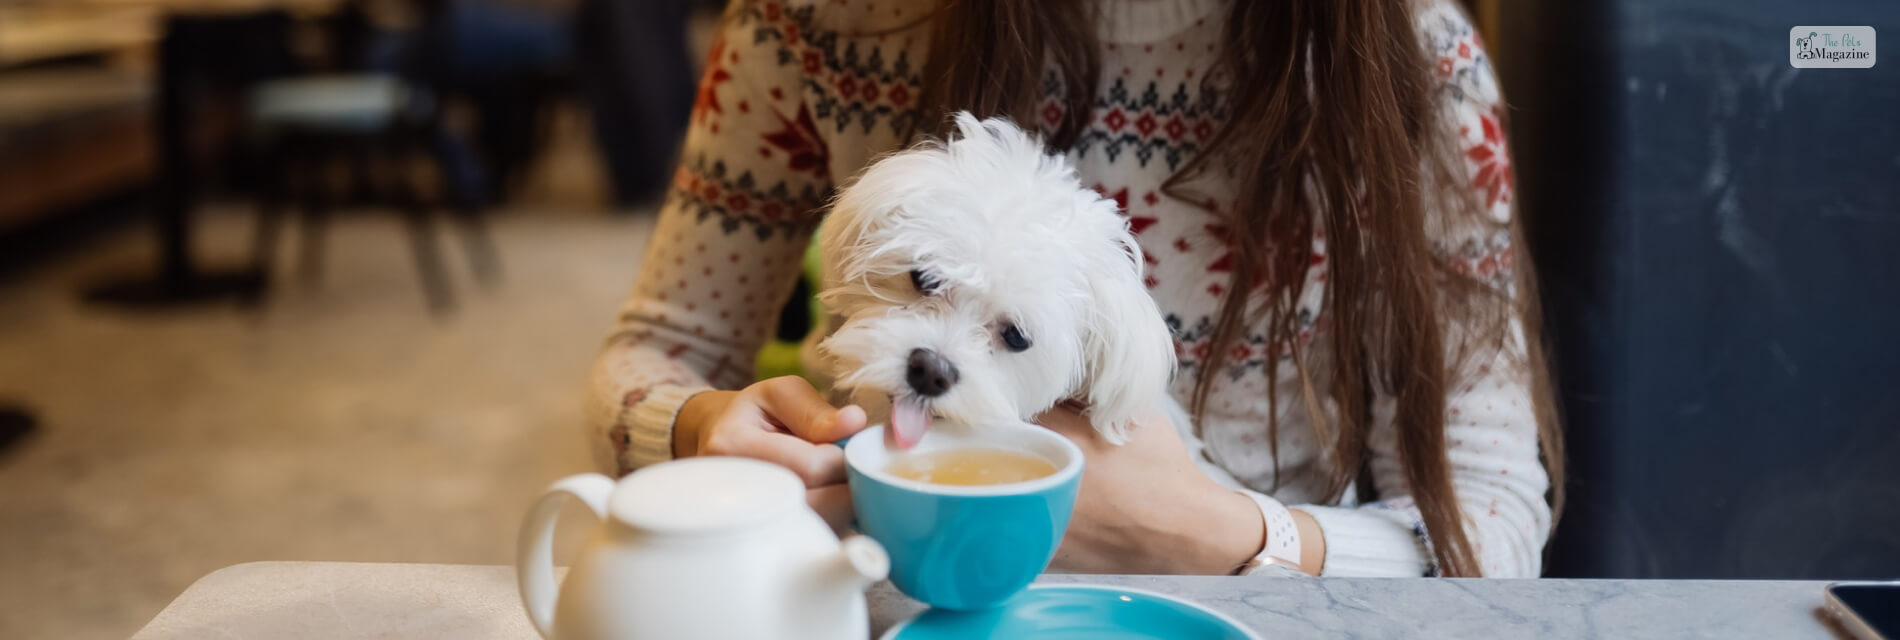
351	600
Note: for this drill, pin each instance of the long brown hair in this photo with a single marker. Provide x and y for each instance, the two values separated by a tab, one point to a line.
1334	122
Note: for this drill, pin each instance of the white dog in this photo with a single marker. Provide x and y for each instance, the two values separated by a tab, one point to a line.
979	282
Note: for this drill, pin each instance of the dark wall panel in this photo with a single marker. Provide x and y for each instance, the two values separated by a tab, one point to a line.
1719	241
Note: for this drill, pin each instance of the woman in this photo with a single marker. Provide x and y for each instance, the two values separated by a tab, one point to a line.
1324	195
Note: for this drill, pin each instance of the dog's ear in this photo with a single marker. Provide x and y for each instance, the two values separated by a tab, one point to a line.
1129	349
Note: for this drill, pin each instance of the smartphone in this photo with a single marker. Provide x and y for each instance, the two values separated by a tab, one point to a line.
1869	610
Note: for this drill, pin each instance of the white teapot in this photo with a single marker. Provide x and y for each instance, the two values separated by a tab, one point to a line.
701	549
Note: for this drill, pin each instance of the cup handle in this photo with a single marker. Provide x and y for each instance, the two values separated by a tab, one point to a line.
534	549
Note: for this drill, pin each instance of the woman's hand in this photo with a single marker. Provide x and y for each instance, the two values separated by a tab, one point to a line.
783	421
1145	507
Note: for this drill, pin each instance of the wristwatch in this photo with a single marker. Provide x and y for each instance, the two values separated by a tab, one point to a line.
1281	554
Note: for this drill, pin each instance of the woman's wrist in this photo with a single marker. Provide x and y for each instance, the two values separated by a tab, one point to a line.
1312	542
1225	534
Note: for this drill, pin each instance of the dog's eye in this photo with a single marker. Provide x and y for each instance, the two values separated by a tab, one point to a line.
926	284
1014	339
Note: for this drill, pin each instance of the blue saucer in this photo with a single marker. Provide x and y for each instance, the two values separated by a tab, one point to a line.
1075	611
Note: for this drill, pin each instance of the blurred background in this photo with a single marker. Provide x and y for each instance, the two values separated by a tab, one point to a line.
322	279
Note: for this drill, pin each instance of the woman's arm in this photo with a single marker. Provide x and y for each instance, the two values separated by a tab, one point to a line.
1490	424
725	253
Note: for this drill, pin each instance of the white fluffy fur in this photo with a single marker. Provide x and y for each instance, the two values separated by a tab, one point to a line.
1014	236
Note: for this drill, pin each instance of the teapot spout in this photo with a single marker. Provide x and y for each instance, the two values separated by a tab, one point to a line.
860	562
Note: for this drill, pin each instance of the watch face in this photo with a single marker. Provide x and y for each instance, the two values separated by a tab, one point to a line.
1266	565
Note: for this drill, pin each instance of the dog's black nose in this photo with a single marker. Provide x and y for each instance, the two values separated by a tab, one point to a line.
929	374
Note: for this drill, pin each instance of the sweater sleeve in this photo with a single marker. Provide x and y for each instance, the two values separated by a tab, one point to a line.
1490	424
725	253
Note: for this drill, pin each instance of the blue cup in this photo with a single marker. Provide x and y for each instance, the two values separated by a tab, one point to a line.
964	547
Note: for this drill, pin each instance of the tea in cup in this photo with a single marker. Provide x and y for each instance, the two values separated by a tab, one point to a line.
975	466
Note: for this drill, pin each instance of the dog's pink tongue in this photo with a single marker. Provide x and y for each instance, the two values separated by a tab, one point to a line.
909	420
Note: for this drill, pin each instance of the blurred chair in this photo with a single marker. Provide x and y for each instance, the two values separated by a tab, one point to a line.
380	126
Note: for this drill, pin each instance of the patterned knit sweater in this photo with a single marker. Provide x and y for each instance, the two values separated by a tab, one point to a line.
796	98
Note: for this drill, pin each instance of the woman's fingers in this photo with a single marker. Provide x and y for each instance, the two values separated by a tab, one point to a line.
793	402
833	503
817	464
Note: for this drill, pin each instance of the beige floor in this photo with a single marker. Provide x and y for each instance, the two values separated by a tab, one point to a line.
339	423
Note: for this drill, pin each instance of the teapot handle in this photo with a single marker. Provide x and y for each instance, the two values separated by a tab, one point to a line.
534	550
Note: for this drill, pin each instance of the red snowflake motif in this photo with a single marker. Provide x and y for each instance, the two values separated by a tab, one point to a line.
1464	49
1052	113
1146	124
1176	128
899	95
1115	120
1120	196
1493	172
812	62
846	85
1136	224
870	91
1444	67
800	142
1224	263
706	102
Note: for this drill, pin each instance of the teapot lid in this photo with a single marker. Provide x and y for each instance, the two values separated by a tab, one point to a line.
702	495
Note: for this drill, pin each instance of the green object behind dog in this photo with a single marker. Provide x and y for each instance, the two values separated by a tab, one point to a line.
780	357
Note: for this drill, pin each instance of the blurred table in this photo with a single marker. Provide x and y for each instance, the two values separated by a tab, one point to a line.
292	600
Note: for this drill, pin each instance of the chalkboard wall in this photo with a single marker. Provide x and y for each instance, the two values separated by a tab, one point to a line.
1719	242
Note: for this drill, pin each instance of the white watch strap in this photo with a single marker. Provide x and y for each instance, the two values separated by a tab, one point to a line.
1283	535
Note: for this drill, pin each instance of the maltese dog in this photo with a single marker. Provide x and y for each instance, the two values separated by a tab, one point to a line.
978	282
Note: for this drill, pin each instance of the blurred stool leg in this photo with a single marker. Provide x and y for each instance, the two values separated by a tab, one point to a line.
271	201
313	191
484	260
461	185
417	218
